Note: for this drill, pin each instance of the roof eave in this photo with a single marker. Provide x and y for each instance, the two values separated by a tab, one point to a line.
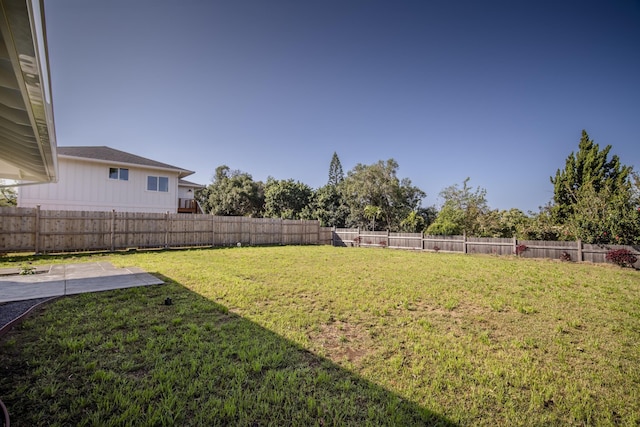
181	172
28	145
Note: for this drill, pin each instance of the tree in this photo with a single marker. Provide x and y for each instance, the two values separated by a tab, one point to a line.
372	213
604	217
327	207
286	199
378	185
461	211
505	223
589	166
594	196
336	175
413	223
8	195
233	193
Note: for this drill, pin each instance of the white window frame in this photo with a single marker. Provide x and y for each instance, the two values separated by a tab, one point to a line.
157	181
122	174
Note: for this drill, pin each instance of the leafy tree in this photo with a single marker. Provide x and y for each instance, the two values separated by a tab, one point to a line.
372	213
596	198
590	166
8	195
336	175
505	223
233	193
286	199
378	185
327	207
327	204
604	216
542	226
461	211
413	223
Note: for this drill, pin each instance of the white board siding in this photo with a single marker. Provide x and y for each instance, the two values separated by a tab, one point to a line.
183	192
86	186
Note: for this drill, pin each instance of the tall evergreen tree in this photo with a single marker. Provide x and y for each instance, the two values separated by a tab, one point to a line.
594	198
336	174
589	166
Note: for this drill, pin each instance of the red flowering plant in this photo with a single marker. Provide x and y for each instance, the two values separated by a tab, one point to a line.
622	257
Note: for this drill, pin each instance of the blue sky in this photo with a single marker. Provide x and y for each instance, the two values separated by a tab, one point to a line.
498	91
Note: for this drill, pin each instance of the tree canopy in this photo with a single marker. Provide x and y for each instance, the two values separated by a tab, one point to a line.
594	197
8	195
233	192
286	199
336	174
461	210
590	168
378	187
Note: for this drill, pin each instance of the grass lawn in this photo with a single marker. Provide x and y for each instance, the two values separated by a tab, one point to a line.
333	336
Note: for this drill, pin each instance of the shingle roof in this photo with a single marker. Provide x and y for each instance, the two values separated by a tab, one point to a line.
190	184
109	154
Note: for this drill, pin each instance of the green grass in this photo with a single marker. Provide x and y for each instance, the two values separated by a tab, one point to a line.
333	336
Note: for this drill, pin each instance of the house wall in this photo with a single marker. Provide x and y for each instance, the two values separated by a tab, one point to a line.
183	192
86	186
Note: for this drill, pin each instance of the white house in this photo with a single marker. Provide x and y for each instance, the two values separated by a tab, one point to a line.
104	179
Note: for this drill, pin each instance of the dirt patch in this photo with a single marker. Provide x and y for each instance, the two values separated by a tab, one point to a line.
343	341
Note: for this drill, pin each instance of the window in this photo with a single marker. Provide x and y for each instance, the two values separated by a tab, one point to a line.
119	173
158	183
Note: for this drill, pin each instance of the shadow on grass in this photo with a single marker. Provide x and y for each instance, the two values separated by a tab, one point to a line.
31	257
125	357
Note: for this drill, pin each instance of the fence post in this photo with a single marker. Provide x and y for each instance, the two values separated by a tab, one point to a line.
37	231
166	229
333	235
113	230
515	245
213	231
422	240
388	239
464	242
281	231
580	256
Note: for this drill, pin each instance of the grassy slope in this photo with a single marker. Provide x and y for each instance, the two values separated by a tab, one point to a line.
322	335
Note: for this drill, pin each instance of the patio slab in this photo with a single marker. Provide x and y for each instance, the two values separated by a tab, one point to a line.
70	279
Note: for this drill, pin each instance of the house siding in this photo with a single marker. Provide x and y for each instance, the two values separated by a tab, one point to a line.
86	186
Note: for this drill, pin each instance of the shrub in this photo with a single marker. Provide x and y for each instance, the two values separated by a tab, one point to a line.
564	256
436	248
622	257
520	249
383	244
27	269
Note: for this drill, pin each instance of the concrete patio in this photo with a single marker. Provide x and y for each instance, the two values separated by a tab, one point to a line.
70	279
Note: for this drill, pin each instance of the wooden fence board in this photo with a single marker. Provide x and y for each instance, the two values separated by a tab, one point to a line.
481	245
30	229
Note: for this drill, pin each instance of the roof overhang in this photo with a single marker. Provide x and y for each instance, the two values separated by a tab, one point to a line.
181	172
27	133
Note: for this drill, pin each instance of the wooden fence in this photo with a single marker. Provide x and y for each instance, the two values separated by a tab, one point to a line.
42	231
576	250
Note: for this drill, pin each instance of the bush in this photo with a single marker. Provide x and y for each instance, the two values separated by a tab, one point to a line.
622	257
520	249
565	256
